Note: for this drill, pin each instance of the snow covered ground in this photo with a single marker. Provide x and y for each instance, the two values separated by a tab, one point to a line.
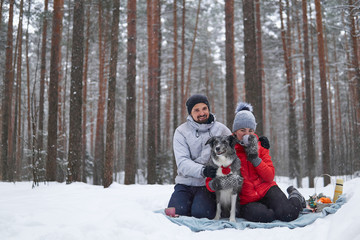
79	211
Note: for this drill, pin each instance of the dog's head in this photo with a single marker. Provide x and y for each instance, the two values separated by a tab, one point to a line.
222	144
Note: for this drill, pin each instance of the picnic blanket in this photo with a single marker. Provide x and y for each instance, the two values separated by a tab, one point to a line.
305	218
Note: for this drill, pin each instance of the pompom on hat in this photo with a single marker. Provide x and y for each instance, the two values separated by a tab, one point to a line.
195	99
244	117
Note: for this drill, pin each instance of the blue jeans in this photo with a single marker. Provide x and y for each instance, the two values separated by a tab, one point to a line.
193	201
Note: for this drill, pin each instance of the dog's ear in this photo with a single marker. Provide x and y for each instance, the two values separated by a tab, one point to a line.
210	141
232	140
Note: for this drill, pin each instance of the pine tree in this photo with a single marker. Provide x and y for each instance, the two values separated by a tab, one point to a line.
75	147
53	90
110	120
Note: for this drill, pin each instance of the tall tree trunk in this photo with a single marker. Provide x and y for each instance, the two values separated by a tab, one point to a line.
309	128
55	63
167	120
182	91
31	145
293	130
130	161
349	109
312	55
6	101
260	61
63	81
324	97
294	159
157	31
188	82
1	8
230	61
18	166
40	134
110	120
12	135
99	135
143	105
75	116
340	138
253	85
355	66
84	101
152	87
175	88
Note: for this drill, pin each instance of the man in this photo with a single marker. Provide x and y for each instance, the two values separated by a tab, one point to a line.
191	198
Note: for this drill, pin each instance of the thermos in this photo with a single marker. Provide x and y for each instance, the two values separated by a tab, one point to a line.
338	189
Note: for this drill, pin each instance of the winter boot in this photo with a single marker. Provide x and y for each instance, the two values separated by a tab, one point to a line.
294	193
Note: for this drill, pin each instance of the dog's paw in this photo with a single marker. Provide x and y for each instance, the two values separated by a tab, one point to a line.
232	219
217	217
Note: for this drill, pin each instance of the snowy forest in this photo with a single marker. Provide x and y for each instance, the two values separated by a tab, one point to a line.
92	90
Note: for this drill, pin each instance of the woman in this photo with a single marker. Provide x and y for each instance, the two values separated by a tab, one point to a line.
261	199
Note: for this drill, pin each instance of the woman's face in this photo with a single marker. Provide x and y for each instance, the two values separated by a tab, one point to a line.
242	132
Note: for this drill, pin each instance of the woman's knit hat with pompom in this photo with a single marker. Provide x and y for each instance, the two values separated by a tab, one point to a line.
244	117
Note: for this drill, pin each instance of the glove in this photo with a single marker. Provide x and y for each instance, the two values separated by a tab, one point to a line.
264	142
215	184
226	182
251	150
209	171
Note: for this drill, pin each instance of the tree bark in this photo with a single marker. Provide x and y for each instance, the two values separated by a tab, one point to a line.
17	164
260	61
110	120
188	82
30	121
253	85
6	101
157	31
324	95
175	87
75	116
99	134
55	63
40	134
182	90
130	160
309	128
356	70
230	61
152	87
294	159
84	94
1	8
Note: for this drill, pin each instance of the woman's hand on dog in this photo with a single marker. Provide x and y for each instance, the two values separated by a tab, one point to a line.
226	182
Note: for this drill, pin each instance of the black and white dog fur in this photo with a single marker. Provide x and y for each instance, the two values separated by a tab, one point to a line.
228	175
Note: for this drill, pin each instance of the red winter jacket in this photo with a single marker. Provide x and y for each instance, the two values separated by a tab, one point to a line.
257	180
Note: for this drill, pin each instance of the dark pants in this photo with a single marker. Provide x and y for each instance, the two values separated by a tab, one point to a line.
193	201
273	206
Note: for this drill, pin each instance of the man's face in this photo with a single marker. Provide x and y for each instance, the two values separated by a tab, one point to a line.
200	113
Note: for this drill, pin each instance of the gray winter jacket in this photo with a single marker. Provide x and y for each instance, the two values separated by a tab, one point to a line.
190	151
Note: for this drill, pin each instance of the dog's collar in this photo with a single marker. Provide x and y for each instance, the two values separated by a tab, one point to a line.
225	170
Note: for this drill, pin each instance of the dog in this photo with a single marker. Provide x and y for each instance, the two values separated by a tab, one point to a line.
228	174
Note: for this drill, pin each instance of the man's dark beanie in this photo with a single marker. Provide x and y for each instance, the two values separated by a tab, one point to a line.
195	99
